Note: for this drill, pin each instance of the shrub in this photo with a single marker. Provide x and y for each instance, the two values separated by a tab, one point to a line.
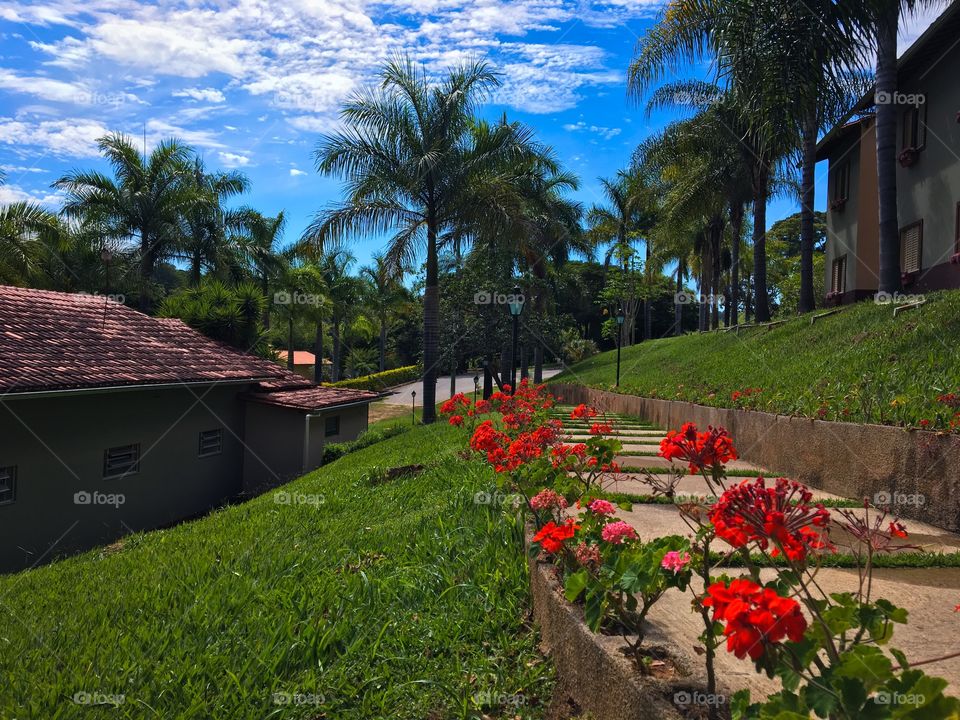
335	451
575	348
383	380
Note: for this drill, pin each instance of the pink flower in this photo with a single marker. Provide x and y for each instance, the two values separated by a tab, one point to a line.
674	561
616	533
547	499
588	555
602	507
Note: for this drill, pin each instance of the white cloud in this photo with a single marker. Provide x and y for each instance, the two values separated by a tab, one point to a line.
75	137
605	132
209	94
294	172
10	194
233	160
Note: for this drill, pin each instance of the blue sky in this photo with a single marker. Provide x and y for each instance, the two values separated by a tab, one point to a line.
252	84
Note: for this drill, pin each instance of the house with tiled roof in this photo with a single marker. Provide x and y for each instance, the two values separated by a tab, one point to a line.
113	421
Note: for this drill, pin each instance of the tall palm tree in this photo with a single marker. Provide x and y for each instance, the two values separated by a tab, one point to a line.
258	237
206	223
407	155
144	201
341	292
385	281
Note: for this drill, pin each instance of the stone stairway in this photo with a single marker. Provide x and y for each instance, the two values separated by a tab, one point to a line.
929	595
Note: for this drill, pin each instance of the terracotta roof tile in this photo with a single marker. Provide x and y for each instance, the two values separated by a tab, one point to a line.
312	397
56	341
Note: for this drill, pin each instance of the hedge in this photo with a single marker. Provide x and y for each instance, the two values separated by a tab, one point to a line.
383	380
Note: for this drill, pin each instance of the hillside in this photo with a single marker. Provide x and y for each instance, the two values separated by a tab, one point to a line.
349	594
861	364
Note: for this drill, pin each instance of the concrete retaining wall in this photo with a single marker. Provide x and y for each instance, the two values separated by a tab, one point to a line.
594	675
917	472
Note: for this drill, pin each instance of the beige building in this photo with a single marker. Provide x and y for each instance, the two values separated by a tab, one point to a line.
113	421
928	175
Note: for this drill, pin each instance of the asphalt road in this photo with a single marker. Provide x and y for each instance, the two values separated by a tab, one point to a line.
402	395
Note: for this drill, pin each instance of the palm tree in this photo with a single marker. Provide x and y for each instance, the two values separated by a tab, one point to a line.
27	233
144	201
258	238
385	282
341	292
206	240
408	155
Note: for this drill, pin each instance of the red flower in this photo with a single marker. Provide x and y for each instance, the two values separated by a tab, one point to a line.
699	449
781	516
898	529
755	617
601	429
456	420
552	536
583	411
457	401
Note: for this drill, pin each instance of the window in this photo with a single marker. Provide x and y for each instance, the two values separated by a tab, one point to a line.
121	461
332	425
841	183
8	484
211	442
911	246
913	128
838	275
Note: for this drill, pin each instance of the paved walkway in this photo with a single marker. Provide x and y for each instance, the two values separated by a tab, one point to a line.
929	595
403	395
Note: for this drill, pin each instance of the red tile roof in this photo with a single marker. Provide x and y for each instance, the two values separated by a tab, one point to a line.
58	341
312	397
301	357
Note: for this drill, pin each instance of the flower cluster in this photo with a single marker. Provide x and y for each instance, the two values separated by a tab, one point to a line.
601	429
675	561
782	516
604	508
589	556
583	412
746	393
870	533
548	499
755	617
700	450
454	404
507	454
616	533
552	536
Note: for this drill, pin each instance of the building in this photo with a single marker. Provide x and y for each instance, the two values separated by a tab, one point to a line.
113	421
928	175
304	363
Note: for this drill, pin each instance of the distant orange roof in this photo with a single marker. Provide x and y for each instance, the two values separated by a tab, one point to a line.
301	357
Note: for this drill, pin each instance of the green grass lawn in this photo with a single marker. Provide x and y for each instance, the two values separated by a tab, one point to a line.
373	599
861	365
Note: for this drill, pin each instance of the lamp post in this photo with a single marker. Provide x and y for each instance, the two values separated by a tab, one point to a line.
516	307
476	387
413	407
620	319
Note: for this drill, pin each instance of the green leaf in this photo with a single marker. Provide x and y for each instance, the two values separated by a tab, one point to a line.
575	584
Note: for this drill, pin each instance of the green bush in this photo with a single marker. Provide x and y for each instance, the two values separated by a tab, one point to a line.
335	451
383	380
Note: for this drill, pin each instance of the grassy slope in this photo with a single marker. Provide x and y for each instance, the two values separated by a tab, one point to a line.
400	600
861	365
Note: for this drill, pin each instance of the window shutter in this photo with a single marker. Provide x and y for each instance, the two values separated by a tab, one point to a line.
910	248
838	274
120	461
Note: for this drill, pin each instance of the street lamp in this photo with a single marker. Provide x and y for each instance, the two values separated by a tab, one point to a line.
476	387
620	319
413	407
516	307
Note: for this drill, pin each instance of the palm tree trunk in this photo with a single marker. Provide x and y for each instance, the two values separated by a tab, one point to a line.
701	305
537	363
647	303
383	342
335	333
146	271
524	362
761	299
318	353
453	372
887	149
736	228
716	240
265	289
195	264
807	301
431	325
290	343
677	306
